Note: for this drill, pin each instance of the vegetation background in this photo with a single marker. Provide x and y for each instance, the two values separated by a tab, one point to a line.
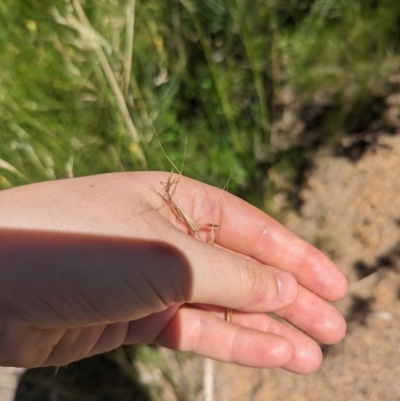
255	86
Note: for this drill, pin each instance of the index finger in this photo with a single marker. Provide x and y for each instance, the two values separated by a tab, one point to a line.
244	229
249	231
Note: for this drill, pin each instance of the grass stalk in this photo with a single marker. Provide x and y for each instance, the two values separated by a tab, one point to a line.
10	168
114	86
130	30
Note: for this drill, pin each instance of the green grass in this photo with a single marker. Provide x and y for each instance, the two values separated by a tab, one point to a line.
209	71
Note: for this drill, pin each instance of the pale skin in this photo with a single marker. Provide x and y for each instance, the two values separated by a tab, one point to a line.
91	263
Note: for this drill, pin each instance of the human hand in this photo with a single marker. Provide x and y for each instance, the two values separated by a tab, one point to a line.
91	263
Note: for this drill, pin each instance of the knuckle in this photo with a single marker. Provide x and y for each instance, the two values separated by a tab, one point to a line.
197	335
256	281
262	241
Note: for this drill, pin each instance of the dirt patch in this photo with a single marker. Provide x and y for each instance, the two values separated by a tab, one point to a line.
351	211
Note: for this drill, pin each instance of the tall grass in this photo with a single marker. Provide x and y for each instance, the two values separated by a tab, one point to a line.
84	83
84	86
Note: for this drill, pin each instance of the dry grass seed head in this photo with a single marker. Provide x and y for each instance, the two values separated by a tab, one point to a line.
169	188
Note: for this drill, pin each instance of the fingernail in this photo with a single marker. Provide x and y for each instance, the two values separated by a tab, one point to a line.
287	286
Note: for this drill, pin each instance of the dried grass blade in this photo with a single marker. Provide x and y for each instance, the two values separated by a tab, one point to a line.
130	31
7	166
114	86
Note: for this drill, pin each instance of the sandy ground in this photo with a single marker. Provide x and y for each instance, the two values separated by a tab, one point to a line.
351	211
